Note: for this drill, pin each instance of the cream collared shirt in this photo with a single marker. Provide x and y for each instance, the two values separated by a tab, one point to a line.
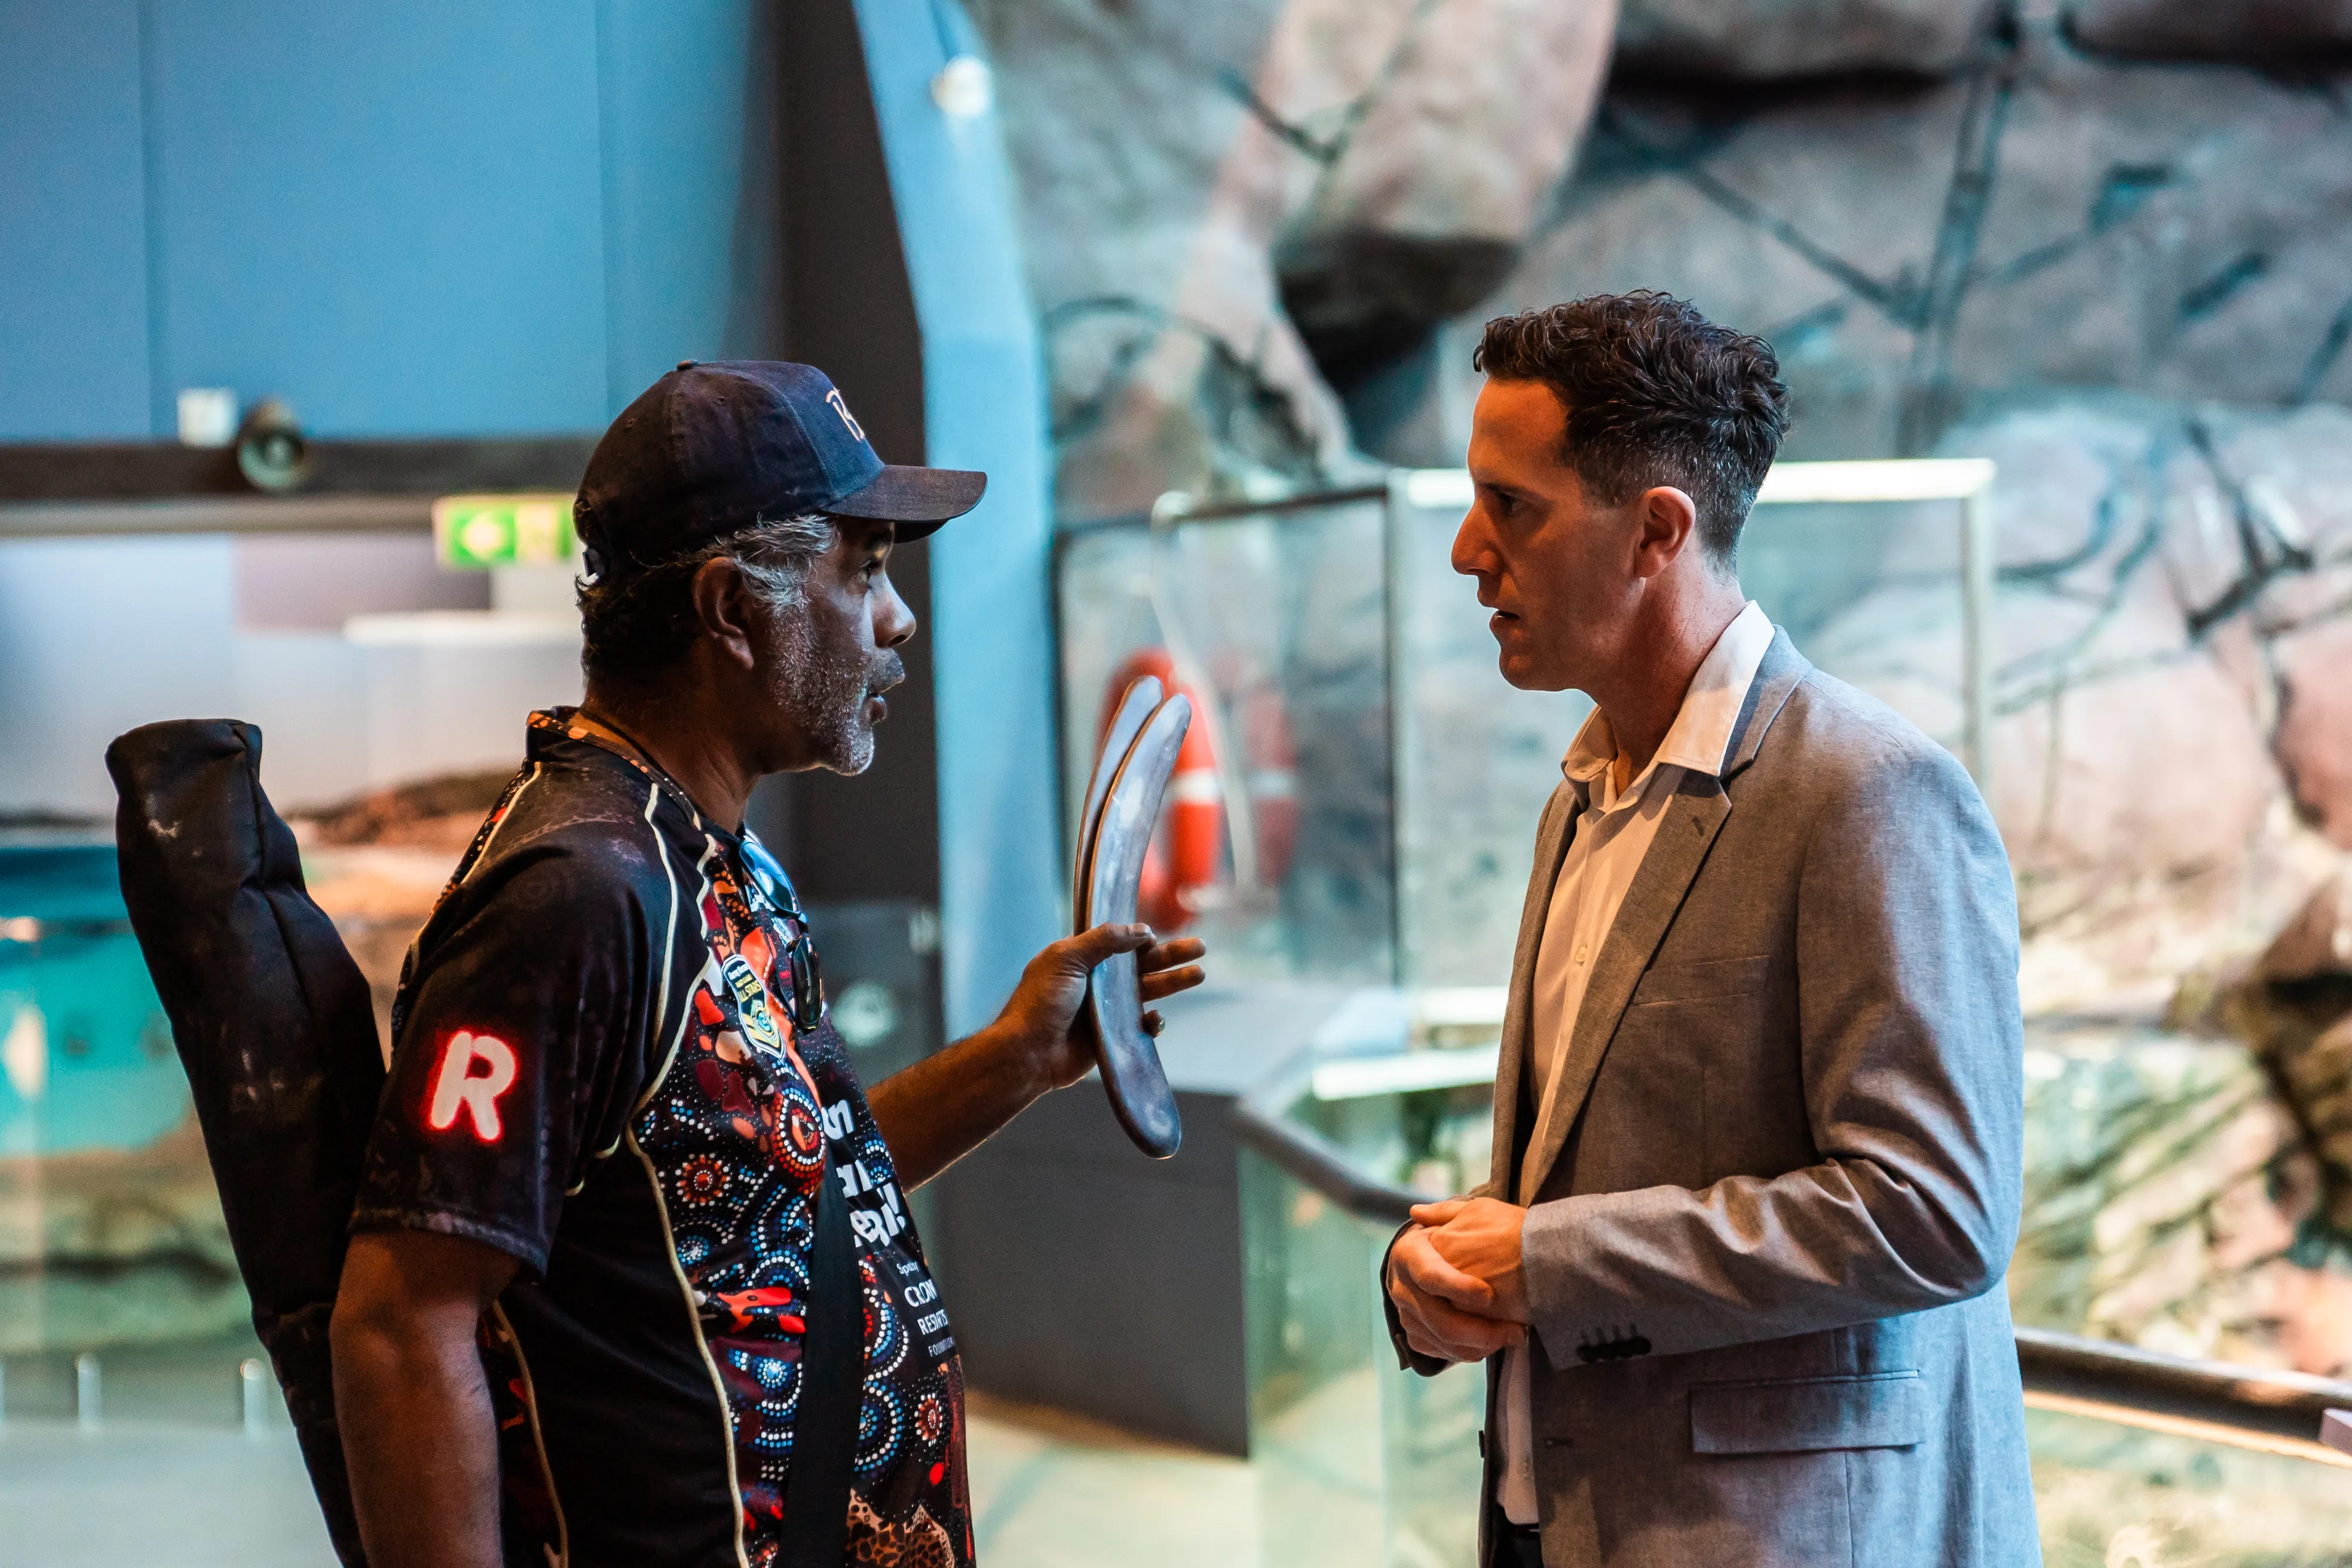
1613	834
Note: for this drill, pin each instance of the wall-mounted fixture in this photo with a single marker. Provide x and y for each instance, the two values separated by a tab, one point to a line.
207	415
272	453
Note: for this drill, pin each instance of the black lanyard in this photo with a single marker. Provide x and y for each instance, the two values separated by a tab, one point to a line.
800	954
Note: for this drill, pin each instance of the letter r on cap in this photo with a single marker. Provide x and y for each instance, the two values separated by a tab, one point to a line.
459	1085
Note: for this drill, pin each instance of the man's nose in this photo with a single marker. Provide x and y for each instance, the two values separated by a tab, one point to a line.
1474	546
894	622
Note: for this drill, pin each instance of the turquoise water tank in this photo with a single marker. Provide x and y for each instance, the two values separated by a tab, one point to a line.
86	1057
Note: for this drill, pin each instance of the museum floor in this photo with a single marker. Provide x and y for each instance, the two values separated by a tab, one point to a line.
168	1477
1048	1490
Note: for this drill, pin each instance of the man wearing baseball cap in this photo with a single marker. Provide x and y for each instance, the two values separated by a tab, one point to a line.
632	1276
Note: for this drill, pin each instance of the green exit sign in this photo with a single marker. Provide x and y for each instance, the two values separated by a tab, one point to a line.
476	532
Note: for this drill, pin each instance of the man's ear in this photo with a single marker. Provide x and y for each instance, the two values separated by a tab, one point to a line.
1668	519
722	606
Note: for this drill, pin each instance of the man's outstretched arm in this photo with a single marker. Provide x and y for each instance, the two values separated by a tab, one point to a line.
942	1108
419	1436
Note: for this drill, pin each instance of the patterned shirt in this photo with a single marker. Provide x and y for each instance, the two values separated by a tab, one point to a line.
597	1070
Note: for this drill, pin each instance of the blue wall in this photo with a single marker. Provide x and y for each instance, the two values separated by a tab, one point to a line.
983	407
392	214
434	216
73	222
692	192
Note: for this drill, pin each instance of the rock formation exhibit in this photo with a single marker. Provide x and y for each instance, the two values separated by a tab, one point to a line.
2104	243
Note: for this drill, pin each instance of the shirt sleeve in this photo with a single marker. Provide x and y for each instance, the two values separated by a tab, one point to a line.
516	1059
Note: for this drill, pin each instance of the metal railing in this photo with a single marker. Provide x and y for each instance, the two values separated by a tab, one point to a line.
2244	1406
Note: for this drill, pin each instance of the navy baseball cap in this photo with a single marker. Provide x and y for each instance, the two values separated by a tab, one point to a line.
710	449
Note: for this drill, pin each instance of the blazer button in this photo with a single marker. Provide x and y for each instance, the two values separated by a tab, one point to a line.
1557	1443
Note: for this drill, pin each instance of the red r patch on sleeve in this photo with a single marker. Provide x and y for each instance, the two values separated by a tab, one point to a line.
459	1087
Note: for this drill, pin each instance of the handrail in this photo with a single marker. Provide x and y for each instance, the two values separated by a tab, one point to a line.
1315	1161
2277	1411
1259	1123
2221	1401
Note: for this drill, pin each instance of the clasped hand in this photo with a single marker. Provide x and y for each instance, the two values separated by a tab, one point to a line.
1457	1281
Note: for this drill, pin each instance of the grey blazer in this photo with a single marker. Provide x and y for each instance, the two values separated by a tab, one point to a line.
1770	1223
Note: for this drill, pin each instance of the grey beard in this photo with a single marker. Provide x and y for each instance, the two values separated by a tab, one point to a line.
825	692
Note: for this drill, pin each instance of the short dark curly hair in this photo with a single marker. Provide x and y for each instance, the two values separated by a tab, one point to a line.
1655	395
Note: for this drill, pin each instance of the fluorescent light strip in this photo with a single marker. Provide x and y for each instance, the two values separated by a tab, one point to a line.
1886	479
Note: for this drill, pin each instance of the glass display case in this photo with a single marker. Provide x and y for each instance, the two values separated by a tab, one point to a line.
1373	783
1276	622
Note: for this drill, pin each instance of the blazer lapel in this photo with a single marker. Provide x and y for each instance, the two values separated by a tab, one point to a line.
1552	835
1693	820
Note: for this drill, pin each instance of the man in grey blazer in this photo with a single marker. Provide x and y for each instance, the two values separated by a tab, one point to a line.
1757	1125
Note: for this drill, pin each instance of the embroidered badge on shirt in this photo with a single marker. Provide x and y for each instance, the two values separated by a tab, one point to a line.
751	1004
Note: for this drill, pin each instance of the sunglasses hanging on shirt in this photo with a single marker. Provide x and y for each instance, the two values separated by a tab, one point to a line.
808	983
808	974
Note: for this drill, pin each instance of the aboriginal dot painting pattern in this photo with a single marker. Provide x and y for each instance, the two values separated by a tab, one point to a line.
736	1133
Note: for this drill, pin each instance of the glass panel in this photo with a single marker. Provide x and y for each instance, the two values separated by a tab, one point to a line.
1870	592
1359	1460
2117	1497
1323	1382
110	1227
1476	760
2170	1201
1275	622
